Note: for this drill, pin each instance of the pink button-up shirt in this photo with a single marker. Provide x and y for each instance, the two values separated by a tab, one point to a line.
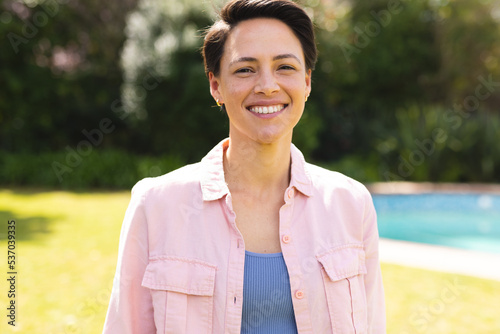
181	256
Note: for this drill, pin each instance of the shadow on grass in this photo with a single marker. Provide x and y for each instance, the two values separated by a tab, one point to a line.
27	228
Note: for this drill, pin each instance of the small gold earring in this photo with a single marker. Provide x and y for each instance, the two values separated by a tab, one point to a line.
219	104
307	96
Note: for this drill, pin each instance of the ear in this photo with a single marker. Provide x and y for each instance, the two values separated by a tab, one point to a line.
308	82
214	87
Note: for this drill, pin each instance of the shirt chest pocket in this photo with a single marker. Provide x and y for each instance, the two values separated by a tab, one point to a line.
182	292
343	278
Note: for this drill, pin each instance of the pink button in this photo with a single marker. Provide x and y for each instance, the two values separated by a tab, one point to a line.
286	239
299	294
291	193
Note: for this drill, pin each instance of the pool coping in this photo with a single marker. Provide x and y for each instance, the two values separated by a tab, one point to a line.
440	258
403	187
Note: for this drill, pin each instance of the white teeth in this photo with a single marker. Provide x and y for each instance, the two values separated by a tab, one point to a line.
267	109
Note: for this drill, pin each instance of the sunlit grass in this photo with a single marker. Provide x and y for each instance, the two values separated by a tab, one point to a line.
66	249
422	301
67	246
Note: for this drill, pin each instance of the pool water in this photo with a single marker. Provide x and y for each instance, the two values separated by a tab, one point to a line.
468	221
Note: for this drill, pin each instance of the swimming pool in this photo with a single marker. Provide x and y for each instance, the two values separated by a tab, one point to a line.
467	221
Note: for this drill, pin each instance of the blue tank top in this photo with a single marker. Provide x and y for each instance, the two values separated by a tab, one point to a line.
267	301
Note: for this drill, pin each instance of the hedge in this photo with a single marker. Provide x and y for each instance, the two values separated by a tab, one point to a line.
70	169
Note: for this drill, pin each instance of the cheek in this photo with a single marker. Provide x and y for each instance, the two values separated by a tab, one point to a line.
297	85
233	89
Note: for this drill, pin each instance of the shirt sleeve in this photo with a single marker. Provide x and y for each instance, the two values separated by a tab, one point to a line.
373	279
130	309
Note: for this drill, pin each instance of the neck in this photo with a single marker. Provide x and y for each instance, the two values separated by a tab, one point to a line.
257	168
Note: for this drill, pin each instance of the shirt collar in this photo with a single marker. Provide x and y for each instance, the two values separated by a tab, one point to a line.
300	178
213	184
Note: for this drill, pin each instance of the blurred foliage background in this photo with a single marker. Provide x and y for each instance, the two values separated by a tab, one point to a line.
100	94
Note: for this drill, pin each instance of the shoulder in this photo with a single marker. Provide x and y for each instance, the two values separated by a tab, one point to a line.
182	178
327	181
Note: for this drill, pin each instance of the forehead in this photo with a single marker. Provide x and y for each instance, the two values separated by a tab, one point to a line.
261	37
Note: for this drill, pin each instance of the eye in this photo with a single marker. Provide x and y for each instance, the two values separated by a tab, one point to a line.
244	70
286	67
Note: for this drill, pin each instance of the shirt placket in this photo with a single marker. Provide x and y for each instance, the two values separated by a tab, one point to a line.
236	267
292	260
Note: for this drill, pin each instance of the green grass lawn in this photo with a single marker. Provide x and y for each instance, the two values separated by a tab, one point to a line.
66	254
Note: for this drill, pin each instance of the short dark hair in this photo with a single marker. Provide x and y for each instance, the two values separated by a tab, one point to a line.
237	11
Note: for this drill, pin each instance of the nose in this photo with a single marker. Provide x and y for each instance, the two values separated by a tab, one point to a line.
266	84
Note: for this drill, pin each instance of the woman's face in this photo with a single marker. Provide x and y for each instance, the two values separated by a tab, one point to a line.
263	81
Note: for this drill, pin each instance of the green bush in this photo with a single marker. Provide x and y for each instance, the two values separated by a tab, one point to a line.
432	143
60	71
361	168
108	169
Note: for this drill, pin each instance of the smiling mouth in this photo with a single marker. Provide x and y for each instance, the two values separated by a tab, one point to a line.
267	109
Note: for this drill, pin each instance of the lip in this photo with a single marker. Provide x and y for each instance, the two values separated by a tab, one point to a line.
264	104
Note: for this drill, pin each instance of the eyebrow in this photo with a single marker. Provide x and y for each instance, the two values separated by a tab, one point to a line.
252	59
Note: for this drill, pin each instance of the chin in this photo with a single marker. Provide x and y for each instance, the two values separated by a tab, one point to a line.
270	138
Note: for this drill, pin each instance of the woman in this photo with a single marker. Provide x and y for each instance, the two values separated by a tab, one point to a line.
252	239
